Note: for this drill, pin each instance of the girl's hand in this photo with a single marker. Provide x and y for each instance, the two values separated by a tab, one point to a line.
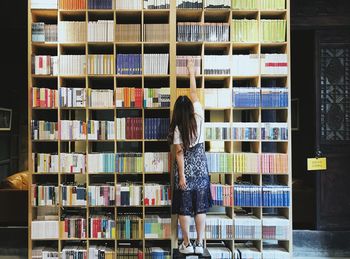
182	182
190	65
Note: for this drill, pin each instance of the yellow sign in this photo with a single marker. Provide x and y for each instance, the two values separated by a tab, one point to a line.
315	164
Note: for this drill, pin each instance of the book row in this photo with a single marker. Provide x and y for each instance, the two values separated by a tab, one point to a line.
266	163
101	162
156	128
42	32
246	131
76	97
191	31
158	4
157	64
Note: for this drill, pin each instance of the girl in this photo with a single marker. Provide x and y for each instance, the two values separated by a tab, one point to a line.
191	196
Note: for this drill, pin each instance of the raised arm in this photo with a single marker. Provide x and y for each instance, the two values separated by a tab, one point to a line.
193	88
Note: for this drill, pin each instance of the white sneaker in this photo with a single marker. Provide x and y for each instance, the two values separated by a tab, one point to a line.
198	248
186	249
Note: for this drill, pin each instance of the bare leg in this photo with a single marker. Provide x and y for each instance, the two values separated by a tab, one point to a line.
185	227
200	226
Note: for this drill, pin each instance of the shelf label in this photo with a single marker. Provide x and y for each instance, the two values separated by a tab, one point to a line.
316	164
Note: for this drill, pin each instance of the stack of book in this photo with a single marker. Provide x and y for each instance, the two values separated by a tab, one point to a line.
157	226
156	64
181	65
74	65
157	252
129	227
129	162
73	195
273	30
44	4
157	194
101	195
189	31
274	252
275	228
101	130
72	130
247	227
274	163
100	64
72	4
191	4
274	97
73	252
44	98
274	64
100	4
245	5
73	226
72	97
129	64
216	32
157	162
101	31
219	162
156	32
274	131
222	195
45	65
246	163
156	128
217	131
45	163
44	130
246	97
71	31
247	251
128	32
129	4
217	4
129	128
156	97
44	252
217	64
272	4
101	252
45	229
42	32
128	194
101	162
126	252
247	195
275	196
72	163
245	131
218	227
245	65
101	98
220	252
244	30
218	98
128	97
102	226
44	195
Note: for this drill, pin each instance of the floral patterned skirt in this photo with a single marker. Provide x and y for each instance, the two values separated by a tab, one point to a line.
196	198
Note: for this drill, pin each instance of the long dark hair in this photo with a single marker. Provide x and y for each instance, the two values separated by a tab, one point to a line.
184	119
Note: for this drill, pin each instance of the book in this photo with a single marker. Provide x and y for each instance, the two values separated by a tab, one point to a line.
129	64
217	131
69	31
72	4
128	32
73	195
272	4
127	251
72	163
101	130
129	4
102	226
247	195
219	162
42	32
44	130
217	4
245	131
73	252
191	4
128	194
101	195
100	30
274	131
45	65
274	64
156	32
156	64
101	252
74	65
245	5
220	252
156	128
44	195
44	229
274	97
275	228
129	162
42	252
44	98
45	163
129	227
157	194
247	251
274	163
217	64
100	98
275	196
72	130
222	194
101	162
127	97
189	32
157	162
247	227
129	128
244	30
157	226
273	30
72	97
44	4
181	65
101	64
73	226
100	4
156	97
156	4
218	227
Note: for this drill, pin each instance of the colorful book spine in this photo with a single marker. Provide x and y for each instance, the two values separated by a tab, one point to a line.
129	227
102	226
129	252
129	64
128	194
129	128
275	196
73	195
100	4
157	194
101	195
222	195
72	163
72	97
129	162
156	97
101	162
274	163
45	163
157	252
157	162
274	131
157	226
156	128
72	4
219	162
101	252
245	131
72	130
101	130
45	65
73	226
274	97
127	97
217	131
41	252
101	64
219	227
44	195
44	130
247	195
246	97
244	30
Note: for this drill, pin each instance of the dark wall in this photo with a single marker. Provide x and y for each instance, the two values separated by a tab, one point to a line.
13	25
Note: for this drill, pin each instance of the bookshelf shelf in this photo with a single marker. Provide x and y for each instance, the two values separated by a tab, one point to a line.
248	156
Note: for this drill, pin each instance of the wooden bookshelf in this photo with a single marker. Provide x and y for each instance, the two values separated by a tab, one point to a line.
141	145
